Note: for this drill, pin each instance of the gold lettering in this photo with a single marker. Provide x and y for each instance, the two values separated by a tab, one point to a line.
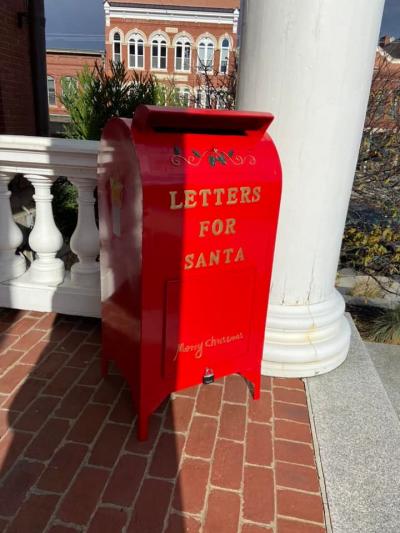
204	193
173	204
201	262
190	198
244	199
239	255
232	195
256	194
204	227
218	193
189	261
230	226
217	227
228	252
214	257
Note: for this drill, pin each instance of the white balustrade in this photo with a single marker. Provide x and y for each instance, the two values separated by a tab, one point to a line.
11	265
46	285
45	239
85	239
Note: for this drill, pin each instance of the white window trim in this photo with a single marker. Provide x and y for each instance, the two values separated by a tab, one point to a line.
185	89
134	39
220	55
115	41
204	97
69	78
48	92
156	39
185	41
208	42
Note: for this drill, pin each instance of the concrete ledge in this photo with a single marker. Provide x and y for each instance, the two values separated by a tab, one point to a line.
358	437
386	358
21	293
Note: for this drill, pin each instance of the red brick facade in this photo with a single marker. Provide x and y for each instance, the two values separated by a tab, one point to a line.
66	63
384	104
17	112
209	20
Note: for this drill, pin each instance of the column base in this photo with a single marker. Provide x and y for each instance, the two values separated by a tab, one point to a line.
306	340
47	273
12	268
86	275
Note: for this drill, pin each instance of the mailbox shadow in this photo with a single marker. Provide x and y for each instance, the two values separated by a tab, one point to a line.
61	421
41	363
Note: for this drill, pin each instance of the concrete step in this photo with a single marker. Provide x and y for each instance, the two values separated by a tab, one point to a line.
386	358
357	436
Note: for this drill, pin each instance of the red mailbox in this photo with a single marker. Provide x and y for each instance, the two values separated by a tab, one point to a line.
188	204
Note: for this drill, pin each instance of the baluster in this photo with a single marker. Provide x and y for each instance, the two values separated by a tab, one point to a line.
85	239
45	238
11	265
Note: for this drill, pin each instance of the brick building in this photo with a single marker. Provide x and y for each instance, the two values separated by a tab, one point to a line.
173	39
64	64
384	106
23	103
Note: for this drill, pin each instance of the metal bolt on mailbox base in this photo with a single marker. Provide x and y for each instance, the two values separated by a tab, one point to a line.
188	205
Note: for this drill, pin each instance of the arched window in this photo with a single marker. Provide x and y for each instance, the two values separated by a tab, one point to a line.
117	48
136	51
159	53
182	55
51	90
205	55
184	96
224	58
67	82
203	99
200	98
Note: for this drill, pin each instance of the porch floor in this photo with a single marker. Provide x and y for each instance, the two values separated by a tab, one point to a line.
215	462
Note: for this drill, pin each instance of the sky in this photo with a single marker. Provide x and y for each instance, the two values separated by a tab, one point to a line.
79	24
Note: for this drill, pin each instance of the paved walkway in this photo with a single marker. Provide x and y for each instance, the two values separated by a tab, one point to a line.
216	461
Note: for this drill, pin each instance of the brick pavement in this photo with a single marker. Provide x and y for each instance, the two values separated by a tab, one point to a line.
215	462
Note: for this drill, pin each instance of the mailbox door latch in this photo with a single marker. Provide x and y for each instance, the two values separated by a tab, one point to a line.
208	376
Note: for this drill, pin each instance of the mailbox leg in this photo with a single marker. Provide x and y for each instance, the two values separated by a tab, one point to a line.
143	427
104	366
254	377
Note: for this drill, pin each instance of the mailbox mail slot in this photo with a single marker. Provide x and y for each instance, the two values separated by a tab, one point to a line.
188	204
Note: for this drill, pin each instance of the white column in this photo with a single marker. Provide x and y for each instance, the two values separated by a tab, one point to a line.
310	63
45	238
85	239
11	265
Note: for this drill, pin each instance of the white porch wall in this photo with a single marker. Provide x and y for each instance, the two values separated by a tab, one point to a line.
310	63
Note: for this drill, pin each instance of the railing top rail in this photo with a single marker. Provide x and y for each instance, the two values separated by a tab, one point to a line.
48	156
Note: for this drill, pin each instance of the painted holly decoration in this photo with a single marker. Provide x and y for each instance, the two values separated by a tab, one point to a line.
214	156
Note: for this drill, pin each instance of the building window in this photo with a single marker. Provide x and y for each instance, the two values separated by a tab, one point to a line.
136	51
221	99
182	55
117	48
203	99
184	96
159	53
205	55
224	61
51	90
395	104
67	82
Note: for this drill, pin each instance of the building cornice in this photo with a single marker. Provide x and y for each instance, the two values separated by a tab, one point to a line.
172	14
387	56
63	51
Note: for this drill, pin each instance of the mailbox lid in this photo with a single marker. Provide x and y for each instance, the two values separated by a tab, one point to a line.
181	120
